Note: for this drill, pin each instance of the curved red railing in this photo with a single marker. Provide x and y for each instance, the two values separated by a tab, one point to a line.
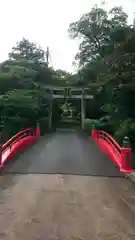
121	156
18	143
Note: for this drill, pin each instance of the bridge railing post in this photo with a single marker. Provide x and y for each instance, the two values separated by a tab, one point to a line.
1	156
126	158
94	133
38	130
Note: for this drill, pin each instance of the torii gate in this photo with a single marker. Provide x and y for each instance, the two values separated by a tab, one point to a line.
68	93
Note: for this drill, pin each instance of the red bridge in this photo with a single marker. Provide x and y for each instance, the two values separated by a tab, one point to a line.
65	152
77	188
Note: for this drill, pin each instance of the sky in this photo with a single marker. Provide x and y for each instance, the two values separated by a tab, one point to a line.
46	22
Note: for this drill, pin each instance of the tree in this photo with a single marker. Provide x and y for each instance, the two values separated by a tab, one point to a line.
107	57
94	29
28	50
61	77
23	98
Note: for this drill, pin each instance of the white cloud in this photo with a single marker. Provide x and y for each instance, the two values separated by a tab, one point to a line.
46	22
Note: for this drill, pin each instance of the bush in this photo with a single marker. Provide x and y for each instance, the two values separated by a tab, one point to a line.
89	123
106	126
126	128
12	126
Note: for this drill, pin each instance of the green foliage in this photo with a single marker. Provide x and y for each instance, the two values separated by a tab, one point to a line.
107	57
95	29
126	128
98	124
28	50
89	124
106	124
13	125
23	98
23	103
61	78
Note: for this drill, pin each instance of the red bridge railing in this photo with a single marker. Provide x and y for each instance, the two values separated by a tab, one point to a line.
121	156
18	143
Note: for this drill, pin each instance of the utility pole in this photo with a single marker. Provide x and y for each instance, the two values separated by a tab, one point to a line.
82	109
47	56
50	111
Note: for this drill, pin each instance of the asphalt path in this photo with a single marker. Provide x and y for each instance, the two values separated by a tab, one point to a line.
63	206
67	152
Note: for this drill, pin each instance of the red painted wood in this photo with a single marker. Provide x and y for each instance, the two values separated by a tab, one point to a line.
122	157
18	143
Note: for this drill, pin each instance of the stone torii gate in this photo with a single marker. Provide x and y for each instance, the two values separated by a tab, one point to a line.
68	93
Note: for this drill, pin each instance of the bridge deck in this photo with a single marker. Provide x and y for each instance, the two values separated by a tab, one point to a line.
65	153
65	207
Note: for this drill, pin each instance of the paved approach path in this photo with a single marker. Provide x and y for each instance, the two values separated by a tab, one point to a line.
66	153
64	206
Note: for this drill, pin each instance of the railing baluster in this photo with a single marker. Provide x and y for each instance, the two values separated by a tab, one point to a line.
126	158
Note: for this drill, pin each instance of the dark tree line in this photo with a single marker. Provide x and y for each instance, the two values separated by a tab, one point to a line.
23	98
106	57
